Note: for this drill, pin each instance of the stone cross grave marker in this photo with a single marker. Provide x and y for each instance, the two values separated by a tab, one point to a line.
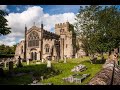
19	62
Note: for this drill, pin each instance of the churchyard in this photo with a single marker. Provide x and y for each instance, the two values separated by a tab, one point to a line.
37	73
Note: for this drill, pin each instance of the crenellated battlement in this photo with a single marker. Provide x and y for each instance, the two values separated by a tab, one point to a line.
60	25
47	39
50	35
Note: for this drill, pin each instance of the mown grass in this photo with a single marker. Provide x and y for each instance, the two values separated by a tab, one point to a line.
30	72
66	71
56	79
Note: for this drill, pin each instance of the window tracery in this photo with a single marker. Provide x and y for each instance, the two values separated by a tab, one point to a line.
33	39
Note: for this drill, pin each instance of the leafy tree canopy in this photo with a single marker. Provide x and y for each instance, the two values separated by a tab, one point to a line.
98	28
4	29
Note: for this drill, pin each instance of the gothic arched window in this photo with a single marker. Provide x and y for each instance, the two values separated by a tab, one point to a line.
33	39
47	48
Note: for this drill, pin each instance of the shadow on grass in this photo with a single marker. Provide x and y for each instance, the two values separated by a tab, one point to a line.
30	73
101	61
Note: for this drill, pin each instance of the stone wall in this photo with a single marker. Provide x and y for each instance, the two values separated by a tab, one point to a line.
109	75
63	40
116	78
18	51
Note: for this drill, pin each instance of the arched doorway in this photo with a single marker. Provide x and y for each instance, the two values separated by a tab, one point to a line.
34	55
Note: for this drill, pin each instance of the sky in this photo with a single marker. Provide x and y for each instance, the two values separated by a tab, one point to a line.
21	15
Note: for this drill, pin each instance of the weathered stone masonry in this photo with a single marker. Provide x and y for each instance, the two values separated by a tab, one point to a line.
40	43
109	75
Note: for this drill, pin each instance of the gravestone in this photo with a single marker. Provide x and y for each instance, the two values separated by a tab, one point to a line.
19	62
65	59
76	56
5	64
28	62
48	62
42	78
11	68
42	60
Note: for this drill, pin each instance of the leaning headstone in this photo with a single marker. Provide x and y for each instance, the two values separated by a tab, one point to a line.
19	62
11	68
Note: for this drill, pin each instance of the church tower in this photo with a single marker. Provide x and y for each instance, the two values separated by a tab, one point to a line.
65	30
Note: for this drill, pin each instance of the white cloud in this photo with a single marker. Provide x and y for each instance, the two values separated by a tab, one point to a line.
4	7
8	41
33	14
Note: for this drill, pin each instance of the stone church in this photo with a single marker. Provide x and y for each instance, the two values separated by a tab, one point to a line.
40	43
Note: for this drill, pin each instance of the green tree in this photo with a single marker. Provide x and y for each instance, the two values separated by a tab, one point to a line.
13	48
98	28
2	49
85	27
4	29
6	50
108	25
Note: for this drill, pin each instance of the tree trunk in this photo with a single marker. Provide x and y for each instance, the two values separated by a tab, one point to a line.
109	53
102	57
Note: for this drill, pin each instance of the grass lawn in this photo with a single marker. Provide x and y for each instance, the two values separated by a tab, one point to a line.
19	80
56	79
27	78
66	71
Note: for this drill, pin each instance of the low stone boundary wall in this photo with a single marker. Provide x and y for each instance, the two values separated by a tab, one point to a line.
109	75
